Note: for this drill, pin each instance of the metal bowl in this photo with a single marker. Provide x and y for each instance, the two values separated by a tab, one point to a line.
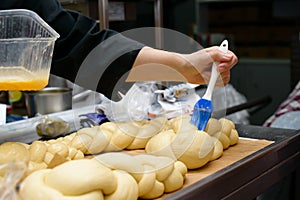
48	100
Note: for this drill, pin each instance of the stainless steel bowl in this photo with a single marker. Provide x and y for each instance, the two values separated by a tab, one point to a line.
48	100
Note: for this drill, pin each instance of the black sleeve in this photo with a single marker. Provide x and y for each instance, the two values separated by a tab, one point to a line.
48	10
91	58
79	37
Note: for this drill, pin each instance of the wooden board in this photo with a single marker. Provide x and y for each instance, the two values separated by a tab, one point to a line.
244	148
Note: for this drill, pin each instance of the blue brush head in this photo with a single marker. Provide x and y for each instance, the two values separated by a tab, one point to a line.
201	114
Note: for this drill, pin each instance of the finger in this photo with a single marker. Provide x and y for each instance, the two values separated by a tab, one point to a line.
219	56
225	66
234	57
225	77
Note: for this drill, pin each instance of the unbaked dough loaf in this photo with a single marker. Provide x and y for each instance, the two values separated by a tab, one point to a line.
115	176
224	130
57	168
14	152
85	179
155	175
115	136
38	155
182	141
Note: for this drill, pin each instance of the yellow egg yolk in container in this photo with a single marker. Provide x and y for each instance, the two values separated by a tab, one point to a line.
18	78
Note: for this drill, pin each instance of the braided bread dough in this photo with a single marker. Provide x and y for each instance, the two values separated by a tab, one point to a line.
184	142
106	176
176	138
14	151
77	179
154	174
224	130
38	155
105	138
175	145
115	136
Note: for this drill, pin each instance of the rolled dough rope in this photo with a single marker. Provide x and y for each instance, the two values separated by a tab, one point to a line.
109	137
34	188
154	175
14	151
127	187
182	141
103	177
115	136
179	145
176	138
38	155
74	180
224	130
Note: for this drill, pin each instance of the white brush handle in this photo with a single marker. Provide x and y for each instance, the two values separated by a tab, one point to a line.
212	82
214	73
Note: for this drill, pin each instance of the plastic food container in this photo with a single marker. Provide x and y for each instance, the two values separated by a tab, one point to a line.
26	49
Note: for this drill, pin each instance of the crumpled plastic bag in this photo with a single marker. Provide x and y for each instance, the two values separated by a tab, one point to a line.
145	101
51	127
227	97
133	106
10	176
175	100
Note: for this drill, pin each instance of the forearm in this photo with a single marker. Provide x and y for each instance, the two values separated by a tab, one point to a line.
156	65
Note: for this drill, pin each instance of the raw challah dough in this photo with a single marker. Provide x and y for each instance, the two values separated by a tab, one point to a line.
14	151
77	179
184	142
107	137
57	168
176	138
154	174
39	154
106	176
224	130
115	136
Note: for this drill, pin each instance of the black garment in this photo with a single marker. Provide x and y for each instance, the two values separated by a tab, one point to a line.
79	35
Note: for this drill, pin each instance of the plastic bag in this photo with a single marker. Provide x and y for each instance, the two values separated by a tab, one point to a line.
134	105
145	101
10	176
175	100
52	127
227	97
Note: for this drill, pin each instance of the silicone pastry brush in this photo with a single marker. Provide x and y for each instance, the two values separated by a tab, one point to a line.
203	107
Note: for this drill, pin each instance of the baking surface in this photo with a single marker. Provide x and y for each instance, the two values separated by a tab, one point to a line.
244	148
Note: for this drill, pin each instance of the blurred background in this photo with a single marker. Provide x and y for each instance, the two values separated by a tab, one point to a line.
264	34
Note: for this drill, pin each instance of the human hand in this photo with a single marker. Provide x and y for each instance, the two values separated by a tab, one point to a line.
159	65
198	65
